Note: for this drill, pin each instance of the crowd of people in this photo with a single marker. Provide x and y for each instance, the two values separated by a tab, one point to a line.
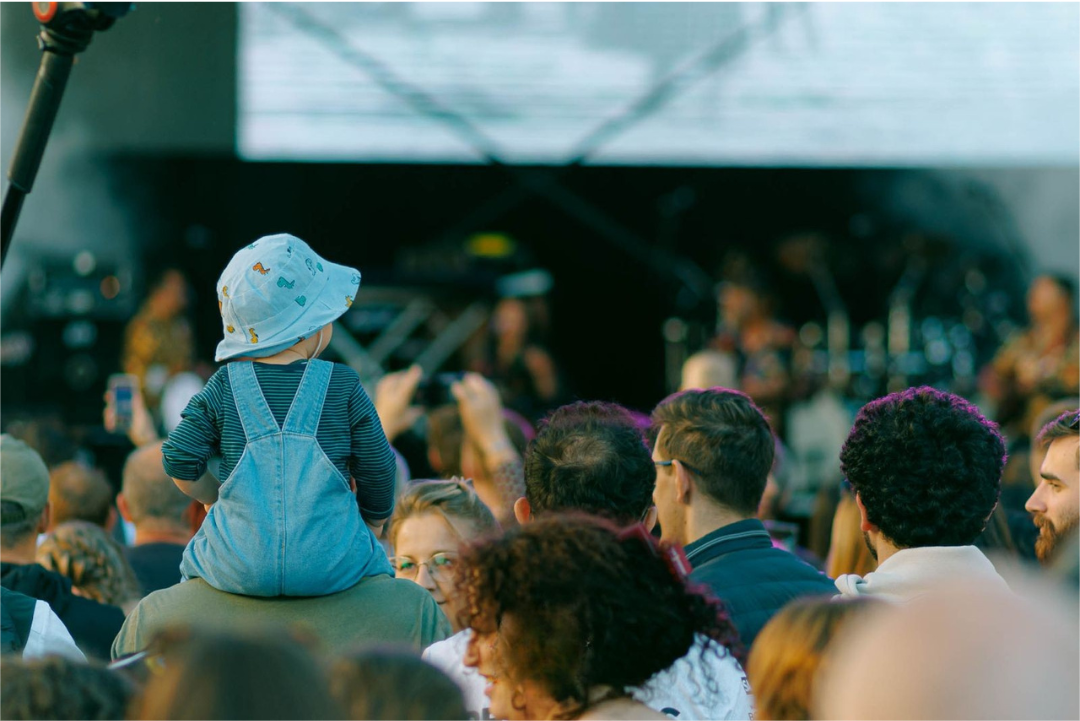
272	556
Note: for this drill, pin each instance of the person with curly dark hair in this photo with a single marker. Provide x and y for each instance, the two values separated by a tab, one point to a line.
926	467
570	615
593	458
713	453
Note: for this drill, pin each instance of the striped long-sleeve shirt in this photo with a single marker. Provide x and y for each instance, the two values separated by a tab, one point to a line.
349	431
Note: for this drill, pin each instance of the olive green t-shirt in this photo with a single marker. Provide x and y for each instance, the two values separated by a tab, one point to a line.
378	609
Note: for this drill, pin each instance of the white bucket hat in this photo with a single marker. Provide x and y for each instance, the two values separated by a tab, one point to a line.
276	292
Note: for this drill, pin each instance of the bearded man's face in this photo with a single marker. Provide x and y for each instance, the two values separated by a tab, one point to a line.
1055	504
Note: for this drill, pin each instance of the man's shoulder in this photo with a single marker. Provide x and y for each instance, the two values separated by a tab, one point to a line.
373	589
759	564
377	608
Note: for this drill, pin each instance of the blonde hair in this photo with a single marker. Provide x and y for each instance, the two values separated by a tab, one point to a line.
848	552
454	499
95	563
788	653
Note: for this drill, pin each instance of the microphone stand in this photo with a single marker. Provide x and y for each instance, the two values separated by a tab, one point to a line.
66	31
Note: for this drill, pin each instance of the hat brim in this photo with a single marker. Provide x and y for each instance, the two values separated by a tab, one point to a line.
330	303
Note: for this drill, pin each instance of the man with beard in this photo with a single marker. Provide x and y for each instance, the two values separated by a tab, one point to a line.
926	470
1055	504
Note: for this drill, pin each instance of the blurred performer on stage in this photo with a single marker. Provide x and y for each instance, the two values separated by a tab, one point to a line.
515	359
761	344
1038	364
158	343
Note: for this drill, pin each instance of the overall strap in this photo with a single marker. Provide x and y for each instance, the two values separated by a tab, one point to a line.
254	412
307	405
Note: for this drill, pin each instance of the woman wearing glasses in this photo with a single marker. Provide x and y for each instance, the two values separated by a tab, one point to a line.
430	522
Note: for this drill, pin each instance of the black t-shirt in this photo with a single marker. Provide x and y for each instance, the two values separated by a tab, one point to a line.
156	565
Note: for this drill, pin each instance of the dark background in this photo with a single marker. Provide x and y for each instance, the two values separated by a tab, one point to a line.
142	169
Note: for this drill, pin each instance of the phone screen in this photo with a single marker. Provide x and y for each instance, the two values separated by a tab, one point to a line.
122	397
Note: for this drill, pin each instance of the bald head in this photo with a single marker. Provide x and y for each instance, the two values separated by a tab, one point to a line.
79	493
709	369
958	655
150	498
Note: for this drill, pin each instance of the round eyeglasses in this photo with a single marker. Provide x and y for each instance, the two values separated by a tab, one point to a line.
439	565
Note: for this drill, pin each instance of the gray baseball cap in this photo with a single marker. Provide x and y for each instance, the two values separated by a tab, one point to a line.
24	478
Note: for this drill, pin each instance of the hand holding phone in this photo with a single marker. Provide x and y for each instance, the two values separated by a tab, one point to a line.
121	399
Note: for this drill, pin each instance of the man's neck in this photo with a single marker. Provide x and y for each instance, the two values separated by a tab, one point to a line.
22	553
704	518
144	536
884	549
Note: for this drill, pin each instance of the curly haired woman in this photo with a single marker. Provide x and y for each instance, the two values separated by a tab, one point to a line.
571	617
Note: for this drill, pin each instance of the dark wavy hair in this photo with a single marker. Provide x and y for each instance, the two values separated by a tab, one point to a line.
590	457
927	465
592	606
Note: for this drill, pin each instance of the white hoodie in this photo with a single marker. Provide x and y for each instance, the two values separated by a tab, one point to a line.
913	572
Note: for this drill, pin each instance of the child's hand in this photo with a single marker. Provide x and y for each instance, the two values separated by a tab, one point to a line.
393	401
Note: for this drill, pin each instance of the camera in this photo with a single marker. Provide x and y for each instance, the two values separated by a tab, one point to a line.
434	391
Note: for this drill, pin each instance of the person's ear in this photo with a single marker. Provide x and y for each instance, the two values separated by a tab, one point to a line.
45	518
683	484
522	510
110	519
434	459
650	519
122	506
864	521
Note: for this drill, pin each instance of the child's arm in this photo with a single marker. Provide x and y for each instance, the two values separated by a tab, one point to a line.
372	462
204	490
191	444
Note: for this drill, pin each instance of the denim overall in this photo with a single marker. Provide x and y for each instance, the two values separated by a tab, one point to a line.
286	522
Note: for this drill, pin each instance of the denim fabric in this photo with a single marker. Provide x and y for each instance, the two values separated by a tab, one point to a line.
286	522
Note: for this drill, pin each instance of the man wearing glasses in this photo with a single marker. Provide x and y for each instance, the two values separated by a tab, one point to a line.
1055	504
713	453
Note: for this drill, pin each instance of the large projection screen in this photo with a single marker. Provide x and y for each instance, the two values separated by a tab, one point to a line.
830	84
